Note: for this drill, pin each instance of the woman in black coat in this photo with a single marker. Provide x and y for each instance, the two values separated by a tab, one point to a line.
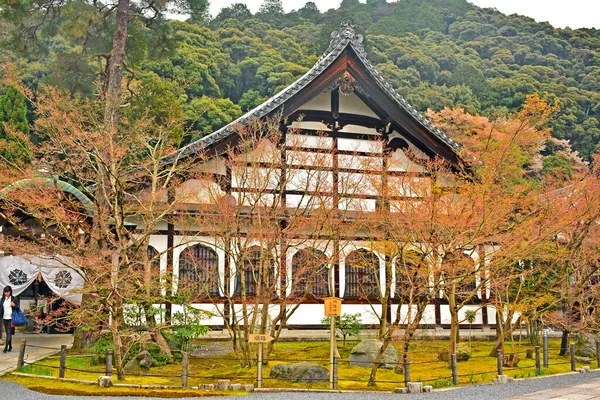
8	304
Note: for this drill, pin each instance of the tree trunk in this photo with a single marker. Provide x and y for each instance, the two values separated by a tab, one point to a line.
564	343
454	333
161	342
386	342
116	66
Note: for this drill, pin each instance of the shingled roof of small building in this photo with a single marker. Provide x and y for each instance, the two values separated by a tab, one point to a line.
345	37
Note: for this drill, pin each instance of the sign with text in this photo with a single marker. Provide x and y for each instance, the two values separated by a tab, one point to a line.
260	338
333	306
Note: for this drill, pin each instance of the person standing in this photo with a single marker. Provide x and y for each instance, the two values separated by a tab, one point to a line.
7	306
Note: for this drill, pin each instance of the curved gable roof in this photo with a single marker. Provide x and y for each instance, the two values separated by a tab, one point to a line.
35	183
346	54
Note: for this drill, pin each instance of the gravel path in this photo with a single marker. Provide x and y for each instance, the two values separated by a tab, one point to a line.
476	392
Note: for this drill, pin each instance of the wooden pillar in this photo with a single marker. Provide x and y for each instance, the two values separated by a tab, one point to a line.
438	311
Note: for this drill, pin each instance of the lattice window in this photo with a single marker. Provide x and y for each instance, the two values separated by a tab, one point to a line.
198	267
310	274
412	276
362	275
258	271
460	267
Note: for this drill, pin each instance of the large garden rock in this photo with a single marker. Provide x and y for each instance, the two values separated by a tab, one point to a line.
141	363
365	353
586	345
300	372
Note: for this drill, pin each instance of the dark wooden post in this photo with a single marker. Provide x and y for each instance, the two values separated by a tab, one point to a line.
335	370
21	354
63	361
454	370
499	362
538	367
185	370
109	357
598	352
406	371
573	361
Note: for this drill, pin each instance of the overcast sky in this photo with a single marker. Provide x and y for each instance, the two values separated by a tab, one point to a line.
560	13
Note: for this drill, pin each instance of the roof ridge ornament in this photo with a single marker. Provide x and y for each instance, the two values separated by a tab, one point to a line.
347	33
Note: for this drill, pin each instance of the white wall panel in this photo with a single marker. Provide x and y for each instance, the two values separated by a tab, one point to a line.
368	146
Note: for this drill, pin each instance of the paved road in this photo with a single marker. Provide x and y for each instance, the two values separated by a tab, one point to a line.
569	386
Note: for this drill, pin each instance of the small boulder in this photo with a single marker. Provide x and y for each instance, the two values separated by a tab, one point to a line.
463	352
142	362
223	384
300	372
583	360
365	353
105	381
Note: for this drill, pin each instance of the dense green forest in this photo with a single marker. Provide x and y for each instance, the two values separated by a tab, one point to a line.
437	53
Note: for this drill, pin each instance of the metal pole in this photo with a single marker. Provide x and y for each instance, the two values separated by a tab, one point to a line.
109	356
538	367
545	338
499	362
331	351
63	361
454	370
259	366
573	361
406	371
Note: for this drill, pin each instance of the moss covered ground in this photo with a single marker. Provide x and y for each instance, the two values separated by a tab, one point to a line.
424	367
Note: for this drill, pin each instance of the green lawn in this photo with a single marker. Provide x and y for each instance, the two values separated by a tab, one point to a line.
424	367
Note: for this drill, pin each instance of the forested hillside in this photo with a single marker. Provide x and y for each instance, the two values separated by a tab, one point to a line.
437	53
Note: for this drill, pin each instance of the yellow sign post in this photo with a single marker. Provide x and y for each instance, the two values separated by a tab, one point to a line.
333	308
260	339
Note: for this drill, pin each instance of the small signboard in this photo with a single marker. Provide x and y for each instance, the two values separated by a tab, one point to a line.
333	306
260	338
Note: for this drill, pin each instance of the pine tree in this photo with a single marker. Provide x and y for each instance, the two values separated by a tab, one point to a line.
13	112
14	127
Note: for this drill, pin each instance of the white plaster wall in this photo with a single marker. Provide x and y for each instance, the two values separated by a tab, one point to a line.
369	146
363	130
307	158
308	314
217	310
446	319
369	314
273	311
360	162
322	102
399	161
352	104
308	141
428	314
195	191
